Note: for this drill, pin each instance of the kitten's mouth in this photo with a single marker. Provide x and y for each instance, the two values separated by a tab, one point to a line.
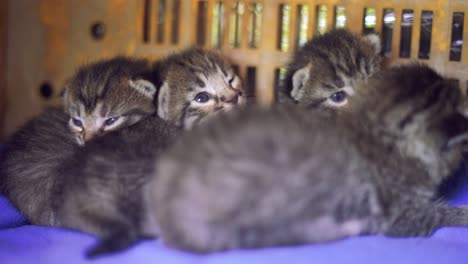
461	139
457	129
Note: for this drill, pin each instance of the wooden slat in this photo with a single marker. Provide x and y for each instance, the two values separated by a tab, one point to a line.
168	22
3	65
312	19
244	38
227	23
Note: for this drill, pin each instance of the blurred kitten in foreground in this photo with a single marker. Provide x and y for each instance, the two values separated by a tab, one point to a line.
261	178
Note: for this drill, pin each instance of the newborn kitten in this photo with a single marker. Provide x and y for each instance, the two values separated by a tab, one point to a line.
277	177
103	96
196	84
324	72
108	95
27	168
101	192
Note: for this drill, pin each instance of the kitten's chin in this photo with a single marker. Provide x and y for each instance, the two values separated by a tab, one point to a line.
79	140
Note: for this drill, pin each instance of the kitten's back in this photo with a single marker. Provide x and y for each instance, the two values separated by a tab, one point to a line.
30	158
281	177
262	178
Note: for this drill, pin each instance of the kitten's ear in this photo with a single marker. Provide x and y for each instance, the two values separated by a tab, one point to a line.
163	101
375	42
143	86
298	80
64	94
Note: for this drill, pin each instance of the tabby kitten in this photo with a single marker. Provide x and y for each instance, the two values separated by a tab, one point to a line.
261	178
195	85
101	190
27	168
100	97
324	72
108	95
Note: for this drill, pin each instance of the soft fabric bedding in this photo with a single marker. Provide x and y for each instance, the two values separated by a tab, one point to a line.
24	243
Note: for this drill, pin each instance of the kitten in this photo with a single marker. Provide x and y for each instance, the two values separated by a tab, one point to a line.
196	84
100	97
108	95
30	158
323	73
102	184
277	177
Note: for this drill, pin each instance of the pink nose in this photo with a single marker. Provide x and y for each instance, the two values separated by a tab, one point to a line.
233	100
87	135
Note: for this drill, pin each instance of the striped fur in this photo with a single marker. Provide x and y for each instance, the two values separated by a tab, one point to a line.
328	64
100	192
195	74
420	111
108	95
259	178
28	168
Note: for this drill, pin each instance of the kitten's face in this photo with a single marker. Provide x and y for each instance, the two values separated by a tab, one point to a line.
318	87
103	101
325	71
196	86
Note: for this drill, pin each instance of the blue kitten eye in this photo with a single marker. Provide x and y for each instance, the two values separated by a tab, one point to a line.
111	121
77	122
338	97
202	97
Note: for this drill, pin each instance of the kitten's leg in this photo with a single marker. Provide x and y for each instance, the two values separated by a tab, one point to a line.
118	236
102	219
424	219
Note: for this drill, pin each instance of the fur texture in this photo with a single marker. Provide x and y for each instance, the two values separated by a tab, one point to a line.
29	162
101	192
283	176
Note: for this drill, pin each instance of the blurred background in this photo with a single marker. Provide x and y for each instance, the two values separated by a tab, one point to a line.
43	41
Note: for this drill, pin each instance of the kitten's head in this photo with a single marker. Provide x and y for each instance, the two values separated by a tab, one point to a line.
421	110
108	95
196	84
324	72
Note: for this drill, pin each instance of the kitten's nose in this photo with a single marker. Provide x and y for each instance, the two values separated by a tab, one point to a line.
88	134
233	100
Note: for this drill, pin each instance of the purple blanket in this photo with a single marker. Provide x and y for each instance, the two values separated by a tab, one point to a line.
23	243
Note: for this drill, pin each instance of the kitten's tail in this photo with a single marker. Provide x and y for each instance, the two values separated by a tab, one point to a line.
455	216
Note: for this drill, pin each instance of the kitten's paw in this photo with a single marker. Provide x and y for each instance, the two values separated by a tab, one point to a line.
112	244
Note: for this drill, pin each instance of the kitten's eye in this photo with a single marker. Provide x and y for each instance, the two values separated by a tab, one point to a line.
338	99
77	122
231	80
202	97
111	121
